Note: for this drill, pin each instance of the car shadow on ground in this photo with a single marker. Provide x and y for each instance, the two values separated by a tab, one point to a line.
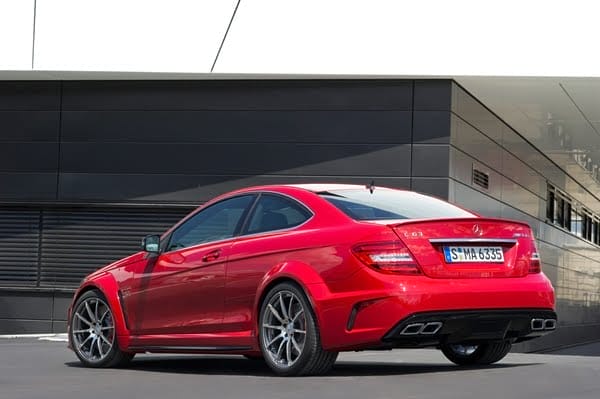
241	366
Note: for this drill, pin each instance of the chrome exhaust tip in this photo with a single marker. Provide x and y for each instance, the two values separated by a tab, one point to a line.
412	329
550	324
431	328
537	324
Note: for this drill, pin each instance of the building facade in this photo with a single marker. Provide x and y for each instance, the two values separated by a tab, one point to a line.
89	167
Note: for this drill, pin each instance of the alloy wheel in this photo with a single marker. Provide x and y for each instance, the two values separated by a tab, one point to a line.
284	328
93	330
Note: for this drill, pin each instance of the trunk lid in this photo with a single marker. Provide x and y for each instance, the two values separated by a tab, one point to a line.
469	247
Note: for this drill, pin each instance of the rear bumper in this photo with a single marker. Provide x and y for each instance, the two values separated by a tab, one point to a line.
362	312
434	328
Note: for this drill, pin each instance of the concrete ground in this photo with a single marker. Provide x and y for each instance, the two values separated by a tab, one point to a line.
31	368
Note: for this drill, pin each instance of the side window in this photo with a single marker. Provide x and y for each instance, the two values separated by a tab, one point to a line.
217	222
273	212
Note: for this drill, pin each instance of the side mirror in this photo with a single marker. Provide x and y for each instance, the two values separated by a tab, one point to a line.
151	243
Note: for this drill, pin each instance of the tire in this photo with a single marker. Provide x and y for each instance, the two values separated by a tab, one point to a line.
480	354
92	333
289	336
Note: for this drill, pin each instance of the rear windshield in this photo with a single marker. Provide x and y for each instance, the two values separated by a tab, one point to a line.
385	204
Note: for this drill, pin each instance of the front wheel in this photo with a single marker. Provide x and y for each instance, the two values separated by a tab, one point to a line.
289	336
476	354
92	332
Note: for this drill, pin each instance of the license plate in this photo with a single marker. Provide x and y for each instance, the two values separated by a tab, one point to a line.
473	254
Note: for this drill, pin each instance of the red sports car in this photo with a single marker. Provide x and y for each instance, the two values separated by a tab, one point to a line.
294	274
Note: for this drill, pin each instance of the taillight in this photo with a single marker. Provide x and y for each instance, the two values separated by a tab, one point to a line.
535	265
387	257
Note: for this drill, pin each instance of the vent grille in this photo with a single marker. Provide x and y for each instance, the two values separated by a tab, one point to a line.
19	246
481	178
58	247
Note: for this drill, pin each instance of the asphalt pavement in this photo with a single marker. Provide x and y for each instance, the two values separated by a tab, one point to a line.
31	369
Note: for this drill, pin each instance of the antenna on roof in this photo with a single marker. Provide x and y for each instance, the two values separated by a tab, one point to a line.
371	186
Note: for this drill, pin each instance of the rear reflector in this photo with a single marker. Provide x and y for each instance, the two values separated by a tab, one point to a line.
534	263
387	257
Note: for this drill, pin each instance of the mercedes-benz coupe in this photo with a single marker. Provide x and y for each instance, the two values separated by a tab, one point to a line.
295	274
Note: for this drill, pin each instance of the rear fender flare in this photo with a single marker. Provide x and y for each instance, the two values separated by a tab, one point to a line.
298	272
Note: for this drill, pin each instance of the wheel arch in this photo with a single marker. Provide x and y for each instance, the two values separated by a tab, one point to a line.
298	273
108	287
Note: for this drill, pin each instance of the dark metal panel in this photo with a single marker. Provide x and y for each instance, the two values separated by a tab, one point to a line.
193	189
28	157
433	95
20	326
238	94
76	242
430	160
27	126
25	305
237	158
19	246
238	126
431	127
437	187
27	186
29	95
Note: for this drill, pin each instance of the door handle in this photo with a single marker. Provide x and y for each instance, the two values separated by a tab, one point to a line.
212	255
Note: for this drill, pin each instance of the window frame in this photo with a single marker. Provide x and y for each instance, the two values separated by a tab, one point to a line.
244	228
240	224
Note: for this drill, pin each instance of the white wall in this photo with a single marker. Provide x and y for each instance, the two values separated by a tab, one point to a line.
415	37
16	34
387	37
130	35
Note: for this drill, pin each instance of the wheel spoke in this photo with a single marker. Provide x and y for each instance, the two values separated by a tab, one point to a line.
271	342
99	345
81	331
84	341
296	346
272	327
288	351
279	350
96	309
80	317
275	313
89	310
107	328
104	315
103	338
300	312
282	306
290	306
299	331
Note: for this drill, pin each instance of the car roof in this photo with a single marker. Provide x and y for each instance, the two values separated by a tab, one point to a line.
317	187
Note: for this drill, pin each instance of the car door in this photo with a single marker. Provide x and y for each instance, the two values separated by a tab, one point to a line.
270	236
181	290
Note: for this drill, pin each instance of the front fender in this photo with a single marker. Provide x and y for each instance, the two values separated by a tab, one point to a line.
107	284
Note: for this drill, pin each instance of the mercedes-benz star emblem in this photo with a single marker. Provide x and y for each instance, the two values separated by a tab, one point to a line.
477	230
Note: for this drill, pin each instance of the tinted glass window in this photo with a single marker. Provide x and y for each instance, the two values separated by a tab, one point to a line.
274	212
391	204
217	222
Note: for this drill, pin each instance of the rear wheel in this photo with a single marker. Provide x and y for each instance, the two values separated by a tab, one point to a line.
476	354
93	334
289	335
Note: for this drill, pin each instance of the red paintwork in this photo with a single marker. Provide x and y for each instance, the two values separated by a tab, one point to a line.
177	300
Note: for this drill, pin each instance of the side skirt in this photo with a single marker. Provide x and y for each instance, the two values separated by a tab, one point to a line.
189	349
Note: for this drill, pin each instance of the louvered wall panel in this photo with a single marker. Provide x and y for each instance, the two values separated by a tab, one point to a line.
77	242
19	246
